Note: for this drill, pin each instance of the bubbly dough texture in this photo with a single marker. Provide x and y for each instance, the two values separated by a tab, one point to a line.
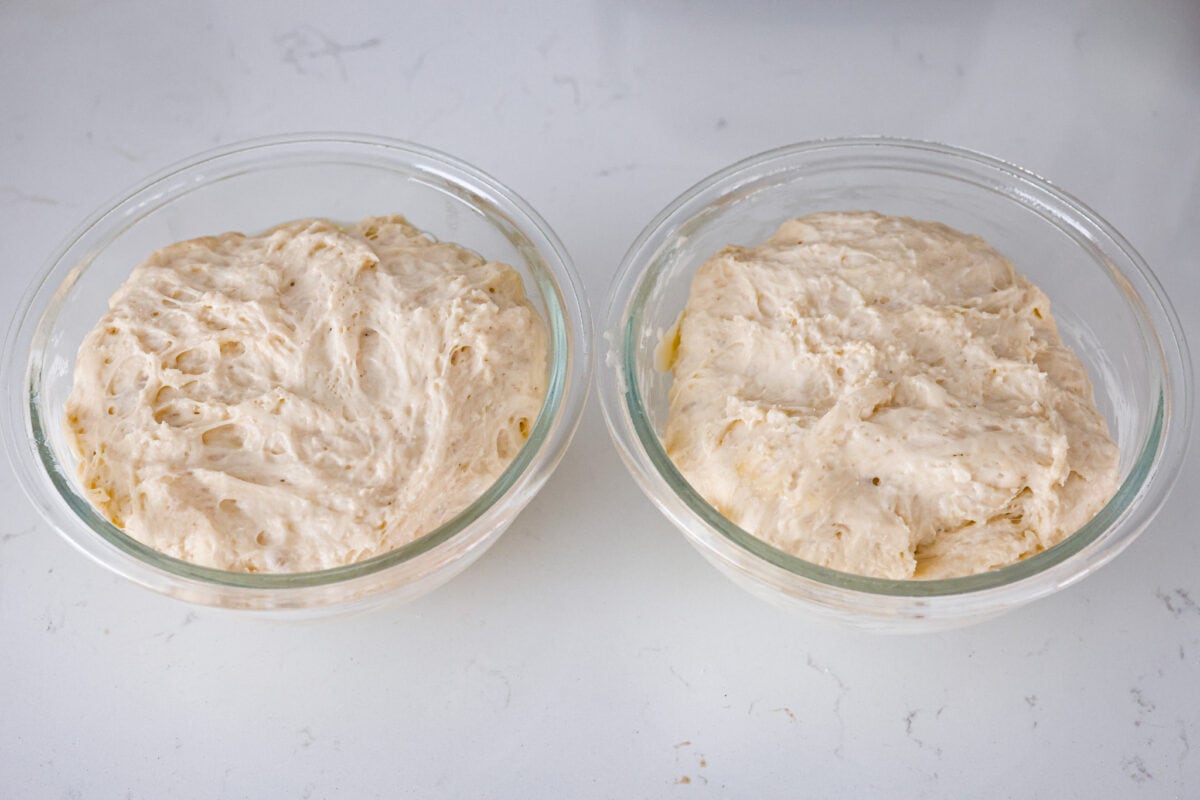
305	398
886	397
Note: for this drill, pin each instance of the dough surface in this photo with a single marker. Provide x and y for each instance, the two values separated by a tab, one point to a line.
886	397
305	398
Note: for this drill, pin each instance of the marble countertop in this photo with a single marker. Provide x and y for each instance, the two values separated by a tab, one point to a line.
592	652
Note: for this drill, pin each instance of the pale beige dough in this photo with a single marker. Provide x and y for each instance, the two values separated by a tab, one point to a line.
886	397
305	398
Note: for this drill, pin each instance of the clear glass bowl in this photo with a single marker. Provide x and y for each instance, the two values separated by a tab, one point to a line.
249	187
1109	306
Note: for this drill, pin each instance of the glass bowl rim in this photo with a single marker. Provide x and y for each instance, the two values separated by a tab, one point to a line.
1143	489
569	330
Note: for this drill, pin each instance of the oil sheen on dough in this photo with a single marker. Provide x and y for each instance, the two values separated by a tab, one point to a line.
886	397
305	398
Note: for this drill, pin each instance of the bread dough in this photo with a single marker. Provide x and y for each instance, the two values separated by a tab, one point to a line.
305	398
886	397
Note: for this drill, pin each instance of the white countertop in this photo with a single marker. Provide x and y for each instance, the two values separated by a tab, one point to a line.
592	652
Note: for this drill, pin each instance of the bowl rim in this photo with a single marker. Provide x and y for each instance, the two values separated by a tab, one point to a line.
569	332
1143	490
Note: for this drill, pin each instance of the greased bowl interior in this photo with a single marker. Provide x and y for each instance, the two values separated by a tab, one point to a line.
249	187
1109	307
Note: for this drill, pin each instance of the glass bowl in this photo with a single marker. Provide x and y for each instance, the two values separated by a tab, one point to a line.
249	187
1109	307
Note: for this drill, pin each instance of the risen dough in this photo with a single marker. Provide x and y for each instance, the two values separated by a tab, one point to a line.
305	398
886	397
